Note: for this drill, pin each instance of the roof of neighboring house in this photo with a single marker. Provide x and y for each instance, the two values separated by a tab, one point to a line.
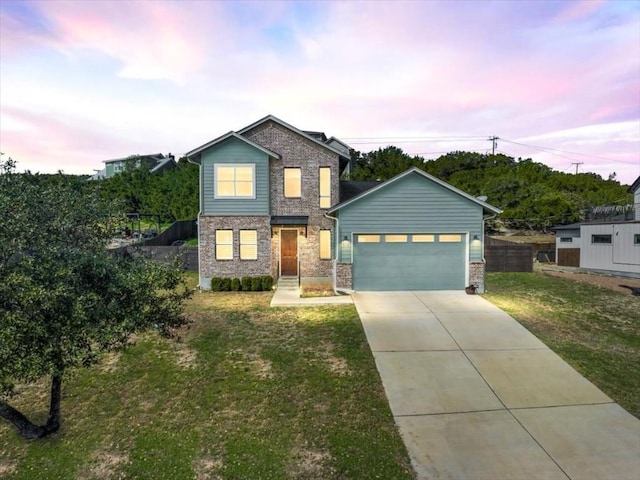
153	156
350	189
197	151
414	170
99	175
165	163
635	186
572	226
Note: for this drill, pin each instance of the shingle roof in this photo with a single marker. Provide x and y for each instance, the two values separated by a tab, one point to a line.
350	189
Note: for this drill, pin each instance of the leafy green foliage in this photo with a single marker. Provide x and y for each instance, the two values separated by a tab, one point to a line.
172	194
64	297
531	195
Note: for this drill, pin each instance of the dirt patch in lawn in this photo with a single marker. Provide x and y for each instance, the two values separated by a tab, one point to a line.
7	467
105	464
607	281
309	464
207	468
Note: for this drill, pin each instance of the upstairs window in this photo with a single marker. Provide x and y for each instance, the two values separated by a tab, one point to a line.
235	181
325	187
566	239
292	183
636	239
602	239
224	244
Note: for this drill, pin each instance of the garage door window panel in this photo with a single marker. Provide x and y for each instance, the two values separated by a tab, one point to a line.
368	238
395	238
423	238
450	238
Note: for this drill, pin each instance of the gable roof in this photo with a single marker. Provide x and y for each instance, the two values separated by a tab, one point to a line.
193	155
415	170
635	186
149	156
271	118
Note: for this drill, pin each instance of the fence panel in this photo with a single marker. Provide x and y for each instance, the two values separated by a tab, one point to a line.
509	258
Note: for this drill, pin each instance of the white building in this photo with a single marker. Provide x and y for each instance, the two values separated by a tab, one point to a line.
607	247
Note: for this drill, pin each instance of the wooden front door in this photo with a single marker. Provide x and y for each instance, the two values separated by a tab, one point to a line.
289	253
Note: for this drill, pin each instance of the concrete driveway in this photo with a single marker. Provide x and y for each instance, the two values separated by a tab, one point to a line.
476	396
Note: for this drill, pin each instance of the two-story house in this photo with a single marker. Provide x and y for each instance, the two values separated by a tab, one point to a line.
264	192
271	203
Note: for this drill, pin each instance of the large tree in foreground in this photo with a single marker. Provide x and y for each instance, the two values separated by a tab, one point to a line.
64	297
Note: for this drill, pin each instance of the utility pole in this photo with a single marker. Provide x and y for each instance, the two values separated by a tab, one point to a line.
577	164
494	141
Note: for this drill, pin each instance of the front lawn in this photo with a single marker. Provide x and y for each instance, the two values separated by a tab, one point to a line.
251	393
593	328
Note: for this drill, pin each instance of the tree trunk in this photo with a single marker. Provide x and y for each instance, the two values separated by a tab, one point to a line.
26	428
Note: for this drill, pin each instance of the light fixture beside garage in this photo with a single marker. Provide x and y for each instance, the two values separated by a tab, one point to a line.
475	237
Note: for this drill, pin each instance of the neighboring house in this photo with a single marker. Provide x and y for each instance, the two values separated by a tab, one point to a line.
635	189
271	204
606	246
156	162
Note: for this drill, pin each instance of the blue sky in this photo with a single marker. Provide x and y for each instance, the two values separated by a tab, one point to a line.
557	81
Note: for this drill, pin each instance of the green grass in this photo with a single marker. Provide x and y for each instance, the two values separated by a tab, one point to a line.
593	328
251	392
191	242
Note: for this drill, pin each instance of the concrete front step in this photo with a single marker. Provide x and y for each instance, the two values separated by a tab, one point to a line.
288	283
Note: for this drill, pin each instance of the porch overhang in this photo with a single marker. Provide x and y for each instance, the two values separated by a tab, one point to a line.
291	221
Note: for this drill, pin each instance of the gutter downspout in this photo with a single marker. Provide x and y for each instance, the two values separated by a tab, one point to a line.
335	261
201	203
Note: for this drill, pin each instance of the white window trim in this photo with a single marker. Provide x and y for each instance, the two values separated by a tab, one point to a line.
234	197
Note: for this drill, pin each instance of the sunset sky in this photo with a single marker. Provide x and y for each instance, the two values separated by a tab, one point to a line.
557	81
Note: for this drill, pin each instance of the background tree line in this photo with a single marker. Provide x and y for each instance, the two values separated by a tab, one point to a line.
531	195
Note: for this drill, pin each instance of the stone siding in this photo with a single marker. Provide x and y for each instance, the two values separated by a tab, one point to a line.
297	151
477	275
210	267
344	275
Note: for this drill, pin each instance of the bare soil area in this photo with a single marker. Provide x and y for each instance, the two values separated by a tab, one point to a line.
607	281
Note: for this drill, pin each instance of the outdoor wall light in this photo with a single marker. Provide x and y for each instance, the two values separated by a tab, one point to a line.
346	238
475	237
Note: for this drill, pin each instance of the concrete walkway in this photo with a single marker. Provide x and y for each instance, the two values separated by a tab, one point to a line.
288	295
476	396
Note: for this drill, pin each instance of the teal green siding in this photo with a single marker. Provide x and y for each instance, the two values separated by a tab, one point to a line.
234	151
109	170
412	204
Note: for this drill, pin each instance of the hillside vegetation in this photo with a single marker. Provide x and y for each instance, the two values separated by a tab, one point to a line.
531	195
